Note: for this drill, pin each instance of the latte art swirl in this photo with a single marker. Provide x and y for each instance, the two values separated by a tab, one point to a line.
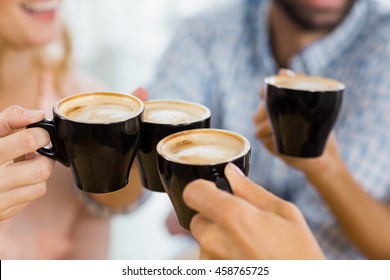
100	113
174	112
168	116
203	154
100	107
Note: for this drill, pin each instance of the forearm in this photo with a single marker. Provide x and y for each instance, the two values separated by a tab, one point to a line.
126	196
365	220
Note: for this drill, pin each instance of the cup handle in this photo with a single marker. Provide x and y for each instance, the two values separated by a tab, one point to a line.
54	152
221	182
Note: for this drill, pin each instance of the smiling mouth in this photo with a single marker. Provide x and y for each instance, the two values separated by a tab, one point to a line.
41	7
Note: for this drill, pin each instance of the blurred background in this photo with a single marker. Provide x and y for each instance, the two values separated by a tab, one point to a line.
120	42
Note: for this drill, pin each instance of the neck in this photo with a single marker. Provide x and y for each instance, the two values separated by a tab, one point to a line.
287	38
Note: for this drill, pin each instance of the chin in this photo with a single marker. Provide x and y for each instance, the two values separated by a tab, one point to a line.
44	38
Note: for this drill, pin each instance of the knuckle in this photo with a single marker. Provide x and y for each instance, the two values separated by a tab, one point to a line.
290	209
12	110
38	190
204	239
232	212
45	169
29	140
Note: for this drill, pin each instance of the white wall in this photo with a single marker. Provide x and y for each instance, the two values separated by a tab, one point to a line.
121	40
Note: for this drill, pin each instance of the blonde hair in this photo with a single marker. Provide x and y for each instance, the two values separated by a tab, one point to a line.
60	65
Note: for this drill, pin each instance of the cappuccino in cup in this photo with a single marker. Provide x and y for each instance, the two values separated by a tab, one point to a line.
97	135
302	111
162	118
305	83
174	112
198	154
104	107
203	147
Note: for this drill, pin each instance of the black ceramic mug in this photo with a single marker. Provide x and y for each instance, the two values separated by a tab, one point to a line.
97	135
198	154
162	118
302	111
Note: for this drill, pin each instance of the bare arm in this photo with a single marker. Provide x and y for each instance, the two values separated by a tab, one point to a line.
365	220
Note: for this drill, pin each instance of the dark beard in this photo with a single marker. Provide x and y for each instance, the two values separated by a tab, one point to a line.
305	20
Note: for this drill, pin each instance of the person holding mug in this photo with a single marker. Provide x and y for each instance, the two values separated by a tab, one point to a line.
235	47
251	224
63	223
24	181
255	224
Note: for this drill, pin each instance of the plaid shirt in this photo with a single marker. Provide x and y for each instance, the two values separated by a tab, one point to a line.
220	59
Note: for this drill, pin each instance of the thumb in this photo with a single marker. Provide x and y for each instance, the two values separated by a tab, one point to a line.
16	117
141	93
243	187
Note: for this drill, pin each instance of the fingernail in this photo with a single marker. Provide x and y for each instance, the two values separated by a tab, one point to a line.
235	169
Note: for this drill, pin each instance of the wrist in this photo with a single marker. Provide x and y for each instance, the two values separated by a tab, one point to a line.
324	171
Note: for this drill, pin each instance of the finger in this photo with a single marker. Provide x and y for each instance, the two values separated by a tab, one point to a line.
286	72
22	142
199	225
203	196
11	211
262	93
263	129
16	117
269	144
203	255
17	198
212	239
261	114
28	172
243	187
218	206
141	93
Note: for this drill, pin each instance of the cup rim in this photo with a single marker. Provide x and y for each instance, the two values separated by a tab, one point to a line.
119	94
246	148
179	101
339	86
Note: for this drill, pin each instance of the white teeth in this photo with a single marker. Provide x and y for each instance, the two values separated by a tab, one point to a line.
42	6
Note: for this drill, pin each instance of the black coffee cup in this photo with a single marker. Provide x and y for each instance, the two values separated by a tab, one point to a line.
198	154
302	111
97	135
162	118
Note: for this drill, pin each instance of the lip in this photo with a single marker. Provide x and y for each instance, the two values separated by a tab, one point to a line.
325	4
42	10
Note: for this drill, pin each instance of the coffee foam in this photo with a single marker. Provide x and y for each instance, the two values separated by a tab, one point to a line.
305	83
99	107
174	112
203	146
105	112
203	154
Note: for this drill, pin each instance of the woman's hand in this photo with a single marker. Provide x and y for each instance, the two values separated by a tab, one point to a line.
22	181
